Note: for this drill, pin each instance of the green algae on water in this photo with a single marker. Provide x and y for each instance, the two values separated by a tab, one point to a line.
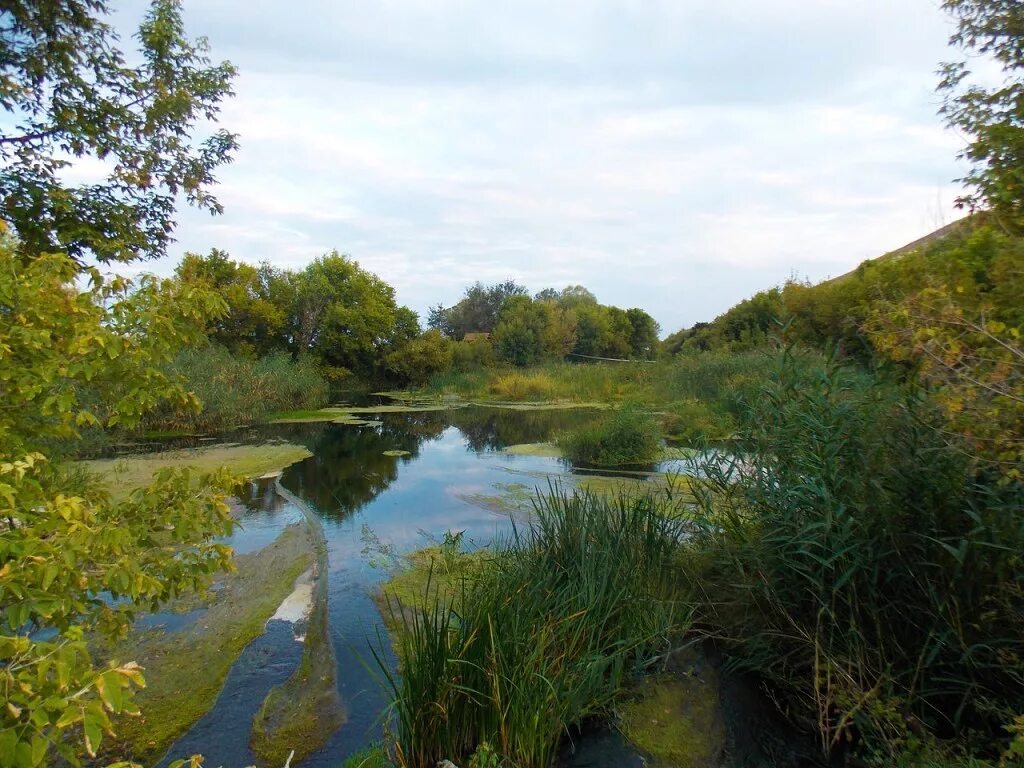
676	720
299	715
123	475
185	670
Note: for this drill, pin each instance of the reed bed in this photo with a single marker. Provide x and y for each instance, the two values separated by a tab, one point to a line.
546	635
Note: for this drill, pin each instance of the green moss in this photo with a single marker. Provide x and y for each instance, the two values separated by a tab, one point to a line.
545	450
541	405
123	475
677	721
185	670
370	757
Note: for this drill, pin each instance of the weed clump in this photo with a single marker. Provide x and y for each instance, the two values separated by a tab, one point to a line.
626	435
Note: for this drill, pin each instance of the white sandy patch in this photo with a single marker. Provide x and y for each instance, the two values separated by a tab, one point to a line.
299	603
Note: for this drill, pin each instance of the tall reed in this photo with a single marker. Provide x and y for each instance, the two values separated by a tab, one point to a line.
544	636
858	565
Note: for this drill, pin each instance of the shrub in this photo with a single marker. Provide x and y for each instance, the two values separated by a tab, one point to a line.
419	359
626	435
545	635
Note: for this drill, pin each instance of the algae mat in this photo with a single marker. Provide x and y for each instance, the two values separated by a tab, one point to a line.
186	669
123	475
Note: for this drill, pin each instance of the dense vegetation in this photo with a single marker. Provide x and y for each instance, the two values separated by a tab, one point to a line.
861	566
73	561
861	553
543	635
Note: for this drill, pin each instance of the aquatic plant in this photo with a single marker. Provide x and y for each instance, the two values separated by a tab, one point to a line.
543	636
627	435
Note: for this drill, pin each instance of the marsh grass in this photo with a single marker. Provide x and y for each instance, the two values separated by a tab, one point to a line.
627	435
855	562
235	390
546	635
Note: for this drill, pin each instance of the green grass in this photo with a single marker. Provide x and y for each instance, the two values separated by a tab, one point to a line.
370	757
547	634
185	670
626	435
236	390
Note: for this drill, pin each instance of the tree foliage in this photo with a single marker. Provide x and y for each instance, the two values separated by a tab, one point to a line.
992	117
70	93
72	562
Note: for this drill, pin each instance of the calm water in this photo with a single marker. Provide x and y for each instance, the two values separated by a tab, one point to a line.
373	508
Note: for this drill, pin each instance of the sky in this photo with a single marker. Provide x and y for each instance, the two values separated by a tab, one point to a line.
677	156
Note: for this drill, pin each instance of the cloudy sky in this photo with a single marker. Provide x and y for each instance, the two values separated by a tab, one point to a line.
676	155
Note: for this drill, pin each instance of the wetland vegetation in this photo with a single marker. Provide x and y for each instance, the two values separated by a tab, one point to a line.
556	531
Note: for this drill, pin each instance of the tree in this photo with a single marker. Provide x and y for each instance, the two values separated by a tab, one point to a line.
72	561
477	311
992	117
64	546
257	298
417	360
346	315
643	338
70	94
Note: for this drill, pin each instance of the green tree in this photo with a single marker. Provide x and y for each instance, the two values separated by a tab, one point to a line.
346	315
65	548
991	117
258	301
69	93
64	545
477	312
418	359
643	337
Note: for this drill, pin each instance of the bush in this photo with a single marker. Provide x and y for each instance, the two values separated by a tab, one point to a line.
545	635
419	359
472	355
627	435
860	568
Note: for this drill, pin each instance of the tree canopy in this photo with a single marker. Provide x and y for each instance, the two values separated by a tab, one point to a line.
991	116
72	562
70	93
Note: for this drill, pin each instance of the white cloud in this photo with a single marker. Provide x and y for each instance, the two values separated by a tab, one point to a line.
672	155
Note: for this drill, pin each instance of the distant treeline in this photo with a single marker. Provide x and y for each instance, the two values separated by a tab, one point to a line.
347	319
